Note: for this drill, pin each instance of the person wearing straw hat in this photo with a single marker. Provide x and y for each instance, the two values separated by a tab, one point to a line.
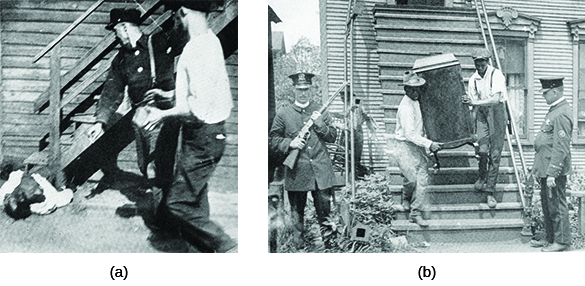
411	146
487	93
552	164
313	171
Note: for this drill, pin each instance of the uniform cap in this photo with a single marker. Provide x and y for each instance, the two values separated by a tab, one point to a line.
119	15
550	82
481	54
412	79
302	80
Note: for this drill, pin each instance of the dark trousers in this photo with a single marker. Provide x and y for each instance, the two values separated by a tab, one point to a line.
491	133
298	201
556	213
186	204
165	152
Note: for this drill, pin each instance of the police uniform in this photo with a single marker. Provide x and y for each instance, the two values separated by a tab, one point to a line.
553	159
313	170
131	68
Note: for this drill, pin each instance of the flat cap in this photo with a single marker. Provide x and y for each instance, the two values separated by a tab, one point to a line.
481	54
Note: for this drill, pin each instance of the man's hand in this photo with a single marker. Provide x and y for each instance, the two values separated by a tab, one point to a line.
317	120
550	182
435	147
159	93
95	131
466	99
297	143
153	119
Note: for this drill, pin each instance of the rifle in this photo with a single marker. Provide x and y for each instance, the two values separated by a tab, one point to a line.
291	159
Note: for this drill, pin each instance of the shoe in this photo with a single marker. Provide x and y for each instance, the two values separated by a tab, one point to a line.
538	243
479	184
555	247
406	205
491	201
418	220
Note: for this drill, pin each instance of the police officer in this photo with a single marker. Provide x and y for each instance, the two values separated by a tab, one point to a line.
131	69
313	171
552	163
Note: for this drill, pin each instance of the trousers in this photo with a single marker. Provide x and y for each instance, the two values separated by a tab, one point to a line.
556	213
413	163
491	132
185	203
298	201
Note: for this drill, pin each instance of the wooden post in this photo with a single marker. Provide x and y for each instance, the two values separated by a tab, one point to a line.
55	115
581	214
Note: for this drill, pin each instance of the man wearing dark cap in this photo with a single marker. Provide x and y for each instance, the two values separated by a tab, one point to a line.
410	149
552	163
487	93
132	69
204	103
313	170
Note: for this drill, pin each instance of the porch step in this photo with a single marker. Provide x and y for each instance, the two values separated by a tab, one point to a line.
462	230
461	194
480	211
454	175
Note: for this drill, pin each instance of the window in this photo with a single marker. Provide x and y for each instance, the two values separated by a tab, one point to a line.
512	57
581	92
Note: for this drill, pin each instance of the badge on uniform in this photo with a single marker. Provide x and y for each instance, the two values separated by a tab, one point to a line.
562	134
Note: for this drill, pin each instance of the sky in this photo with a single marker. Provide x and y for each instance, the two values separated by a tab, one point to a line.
299	18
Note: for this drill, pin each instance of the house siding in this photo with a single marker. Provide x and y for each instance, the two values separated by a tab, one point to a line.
385	47
27	26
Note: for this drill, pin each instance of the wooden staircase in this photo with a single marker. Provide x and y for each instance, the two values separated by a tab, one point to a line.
458	213
80	158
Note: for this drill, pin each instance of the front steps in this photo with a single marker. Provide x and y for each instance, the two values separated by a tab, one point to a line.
457	212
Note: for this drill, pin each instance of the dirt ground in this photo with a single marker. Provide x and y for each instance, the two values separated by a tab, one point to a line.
111	220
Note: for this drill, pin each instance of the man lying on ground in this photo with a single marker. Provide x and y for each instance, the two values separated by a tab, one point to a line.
28	193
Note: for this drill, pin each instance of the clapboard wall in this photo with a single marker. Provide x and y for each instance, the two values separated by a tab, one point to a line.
389	38
27	26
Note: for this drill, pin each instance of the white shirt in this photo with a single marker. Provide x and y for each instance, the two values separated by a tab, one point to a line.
53	198
202	75
409	123
482	85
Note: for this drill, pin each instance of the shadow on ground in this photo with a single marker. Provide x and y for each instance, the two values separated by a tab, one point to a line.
107	218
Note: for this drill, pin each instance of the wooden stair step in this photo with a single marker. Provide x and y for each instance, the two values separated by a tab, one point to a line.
84	118
457	188
453	170
463	230
459	224
507	210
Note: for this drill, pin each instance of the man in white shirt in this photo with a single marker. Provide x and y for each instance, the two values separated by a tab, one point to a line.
203	103
487	93
411	148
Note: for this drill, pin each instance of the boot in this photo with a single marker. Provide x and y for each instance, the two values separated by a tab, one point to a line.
418	219
482	172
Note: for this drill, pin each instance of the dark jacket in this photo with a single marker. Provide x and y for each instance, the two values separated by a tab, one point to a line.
131	67
313	164
553	142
